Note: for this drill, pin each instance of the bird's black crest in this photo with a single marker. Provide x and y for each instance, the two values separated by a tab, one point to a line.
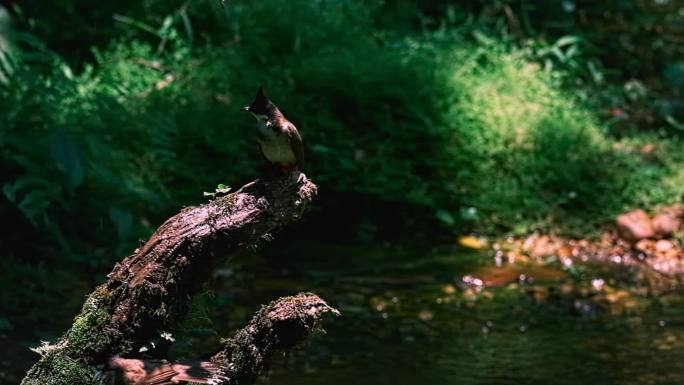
261	105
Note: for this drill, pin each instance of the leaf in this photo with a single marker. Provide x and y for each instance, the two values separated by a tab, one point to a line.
445	217
558	54
165	27
34	203
136	23
674	123
187	24
468	213
66	70
596	74
222	189
482	38
567	40
9	191
64	151
31	182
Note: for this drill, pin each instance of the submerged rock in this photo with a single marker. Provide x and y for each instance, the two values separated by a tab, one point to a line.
635	225
657	264
668	221
542	246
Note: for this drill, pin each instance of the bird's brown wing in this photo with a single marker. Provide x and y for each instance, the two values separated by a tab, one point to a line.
162	372
297	145
172	373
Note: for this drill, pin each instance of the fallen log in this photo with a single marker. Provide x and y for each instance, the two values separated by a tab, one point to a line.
153	287
279	326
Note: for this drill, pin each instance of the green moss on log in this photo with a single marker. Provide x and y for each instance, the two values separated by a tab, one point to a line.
89	334
56	368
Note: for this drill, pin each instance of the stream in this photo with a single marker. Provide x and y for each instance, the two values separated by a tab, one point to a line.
451	316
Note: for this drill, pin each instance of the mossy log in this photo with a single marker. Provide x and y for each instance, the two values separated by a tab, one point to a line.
278	326
281	325
152	288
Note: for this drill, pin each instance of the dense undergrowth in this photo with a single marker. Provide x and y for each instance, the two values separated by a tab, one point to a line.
450	118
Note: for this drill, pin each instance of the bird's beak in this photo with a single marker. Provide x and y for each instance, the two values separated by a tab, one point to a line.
245	108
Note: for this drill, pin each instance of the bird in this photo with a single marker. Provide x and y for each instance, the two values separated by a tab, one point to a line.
278	139
133	371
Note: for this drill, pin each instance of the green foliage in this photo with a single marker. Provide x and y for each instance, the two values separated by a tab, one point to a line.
450	118
528	151
611	44
36	286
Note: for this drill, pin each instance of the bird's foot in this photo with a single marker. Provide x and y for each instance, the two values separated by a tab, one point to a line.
298	176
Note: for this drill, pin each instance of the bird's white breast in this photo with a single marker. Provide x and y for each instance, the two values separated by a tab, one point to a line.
276	146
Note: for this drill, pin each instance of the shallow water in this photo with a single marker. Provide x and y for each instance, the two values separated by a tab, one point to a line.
408	318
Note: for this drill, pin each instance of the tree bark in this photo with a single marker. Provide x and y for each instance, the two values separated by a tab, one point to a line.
281	325
152	288
278	326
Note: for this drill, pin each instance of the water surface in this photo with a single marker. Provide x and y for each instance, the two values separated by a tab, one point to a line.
408	318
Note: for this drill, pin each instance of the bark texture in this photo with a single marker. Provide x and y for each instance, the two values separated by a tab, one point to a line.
278	326
153	286
281	325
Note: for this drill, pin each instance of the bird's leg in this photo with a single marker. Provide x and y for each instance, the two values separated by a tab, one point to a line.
289	168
